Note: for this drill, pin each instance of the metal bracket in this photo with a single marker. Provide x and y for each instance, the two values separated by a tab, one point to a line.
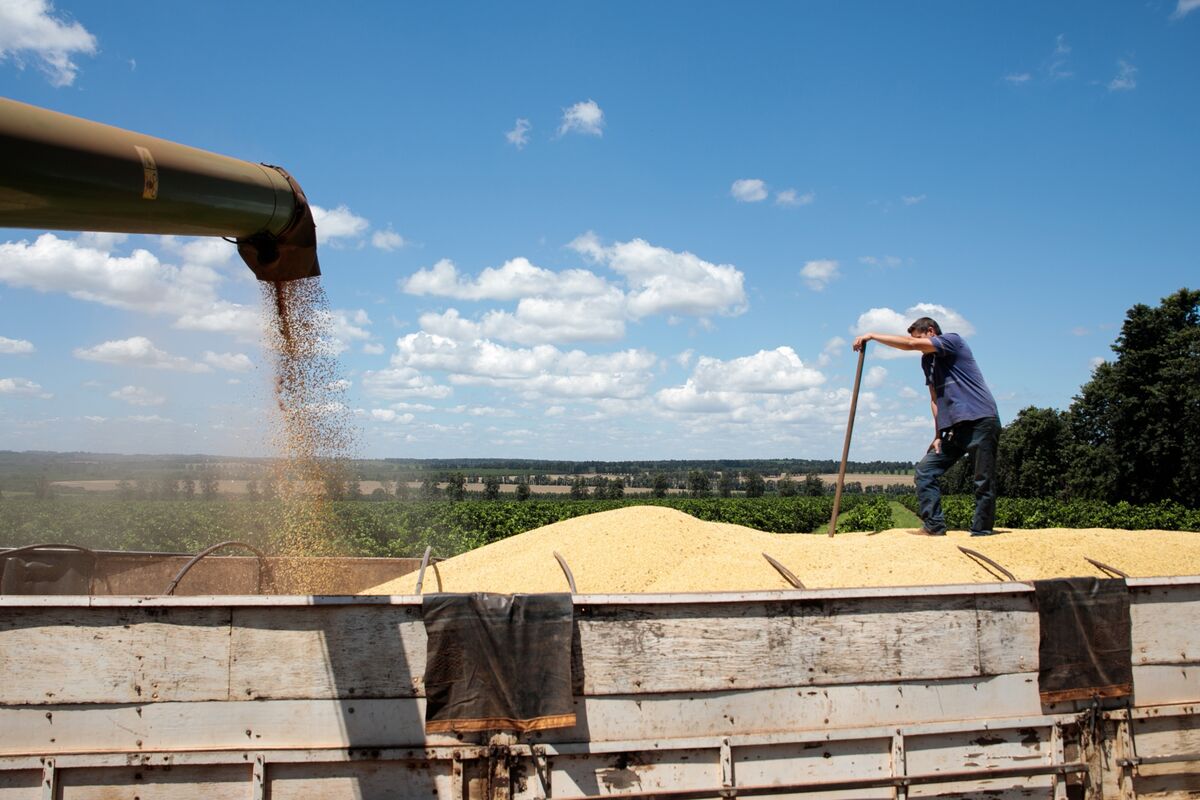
49	780
727	788
259	778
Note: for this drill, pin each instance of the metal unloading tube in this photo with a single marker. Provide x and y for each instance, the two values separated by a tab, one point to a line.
61	172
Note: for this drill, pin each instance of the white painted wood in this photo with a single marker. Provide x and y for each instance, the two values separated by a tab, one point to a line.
1160	684
364	780
696	648
1008	633
20	784
156	783
1165	621
123	655
327	652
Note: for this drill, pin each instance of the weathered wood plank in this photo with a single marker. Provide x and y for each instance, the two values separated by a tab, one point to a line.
1008	633
377	780
156	783
327	652
399	722
1165	621
624	650
1160	684
20	784
116	655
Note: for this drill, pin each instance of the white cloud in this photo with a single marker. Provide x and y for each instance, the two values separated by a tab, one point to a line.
387	240
875	377
832	349
338	223
586	117
373	349
208	251
1185	7
388	415
516	278
231	362
748	190
1058	67
15	347
28	28
346	327
789	197
882	261
772	371
886	320
23	386
912	199
819	274
150	419
1018	78
685	358
539	320
1095	361
137	282
663	281
138	396
519	135
539	370
138	351
1126	78
402	382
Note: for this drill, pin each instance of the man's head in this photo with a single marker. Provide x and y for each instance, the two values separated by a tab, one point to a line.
925	327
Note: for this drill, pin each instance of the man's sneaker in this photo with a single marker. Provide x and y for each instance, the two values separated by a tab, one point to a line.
927	532
983	533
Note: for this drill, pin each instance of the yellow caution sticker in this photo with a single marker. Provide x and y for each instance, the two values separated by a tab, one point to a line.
149	173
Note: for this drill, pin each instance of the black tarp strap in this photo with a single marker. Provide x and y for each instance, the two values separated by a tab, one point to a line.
498	662
1084	650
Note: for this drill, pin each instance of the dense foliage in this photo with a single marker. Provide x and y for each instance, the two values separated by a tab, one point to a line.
1044	512
382	528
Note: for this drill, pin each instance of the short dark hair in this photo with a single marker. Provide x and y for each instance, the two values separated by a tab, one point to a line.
925	324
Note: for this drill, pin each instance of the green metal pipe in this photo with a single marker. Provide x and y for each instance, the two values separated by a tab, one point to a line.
61	172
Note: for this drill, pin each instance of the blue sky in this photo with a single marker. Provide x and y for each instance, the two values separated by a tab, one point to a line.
612	230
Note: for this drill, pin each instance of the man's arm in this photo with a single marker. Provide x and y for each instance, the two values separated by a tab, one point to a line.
899	342
936	446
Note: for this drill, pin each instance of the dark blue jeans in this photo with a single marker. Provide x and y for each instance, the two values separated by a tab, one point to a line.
979	438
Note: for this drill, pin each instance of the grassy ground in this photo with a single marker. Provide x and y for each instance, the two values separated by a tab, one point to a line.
902	517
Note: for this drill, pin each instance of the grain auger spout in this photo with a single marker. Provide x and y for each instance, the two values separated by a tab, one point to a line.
59	172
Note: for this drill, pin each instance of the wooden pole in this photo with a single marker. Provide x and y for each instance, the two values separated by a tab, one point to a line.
841	480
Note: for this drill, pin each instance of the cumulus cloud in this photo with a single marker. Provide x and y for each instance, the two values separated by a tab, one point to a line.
401	383
882	261
1126	78
387	240
789	197
231	362
15	347
373	349
539	320
30	29
833	348
875	377
518	137
208	251
23	387
663	281
886	320
389	415
748	190
140	352
338	223
514	279
138	396
586	118
912	199
1058	66
773	371
818	274
137	282
1185	7
1018	78
540	370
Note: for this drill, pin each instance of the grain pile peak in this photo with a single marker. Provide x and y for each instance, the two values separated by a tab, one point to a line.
655	549
312	434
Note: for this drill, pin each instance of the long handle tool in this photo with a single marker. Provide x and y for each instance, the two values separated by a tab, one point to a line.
837	496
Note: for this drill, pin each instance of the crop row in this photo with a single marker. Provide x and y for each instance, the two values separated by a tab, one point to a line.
1021	512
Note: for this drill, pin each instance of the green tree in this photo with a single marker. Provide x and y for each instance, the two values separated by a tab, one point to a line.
813	485
354	489
600	487
1136	423
661	485
189	488
252	492
579	489
124	490
756	485
698	483
491	488
458	486
42	489
1034	452
787	487
208	486
522	490
726	483
616	489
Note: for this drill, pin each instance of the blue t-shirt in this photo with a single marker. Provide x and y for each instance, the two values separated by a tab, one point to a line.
957	383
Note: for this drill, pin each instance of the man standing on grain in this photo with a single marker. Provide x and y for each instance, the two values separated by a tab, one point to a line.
965	422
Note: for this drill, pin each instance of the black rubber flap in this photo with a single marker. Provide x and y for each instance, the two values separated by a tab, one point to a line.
47	572
498	662
292	254
1085	649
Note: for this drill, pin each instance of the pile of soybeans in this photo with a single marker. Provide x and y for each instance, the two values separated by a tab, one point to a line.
656	549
